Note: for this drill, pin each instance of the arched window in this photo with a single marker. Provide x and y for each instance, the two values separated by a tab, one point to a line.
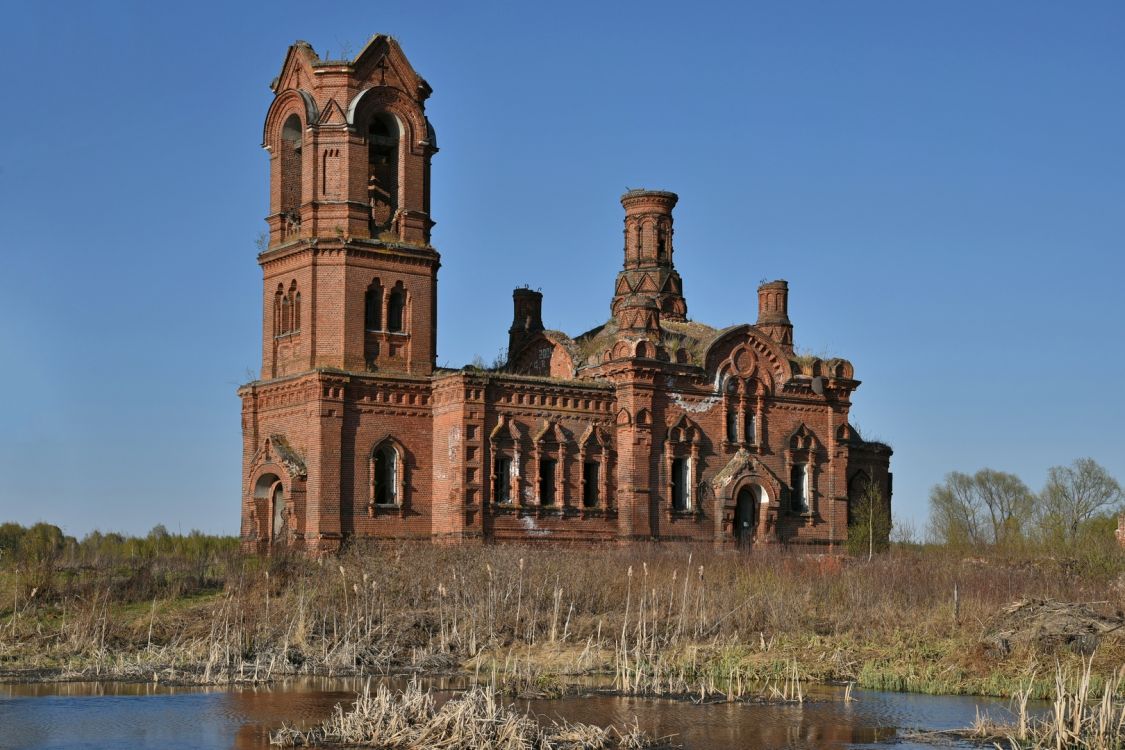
681	463
286	306
396	308
593	457
506	446
802	460
385	473
278	310
373	307
290	157
732	402
287	310
382	168
732	425
748	427
549	453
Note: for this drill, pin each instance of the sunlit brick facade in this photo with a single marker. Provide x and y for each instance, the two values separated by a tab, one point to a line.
649	427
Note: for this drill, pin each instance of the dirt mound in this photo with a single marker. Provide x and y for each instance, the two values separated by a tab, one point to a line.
1048	626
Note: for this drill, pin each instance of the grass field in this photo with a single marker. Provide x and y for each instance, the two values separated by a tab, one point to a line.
661	619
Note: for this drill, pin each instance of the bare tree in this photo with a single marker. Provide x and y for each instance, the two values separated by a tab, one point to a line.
989	507
1008	501
1076	494
956	511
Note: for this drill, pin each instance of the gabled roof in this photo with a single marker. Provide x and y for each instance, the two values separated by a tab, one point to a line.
299	51
379	49
383	48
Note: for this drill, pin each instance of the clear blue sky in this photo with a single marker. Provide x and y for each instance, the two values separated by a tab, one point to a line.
942	184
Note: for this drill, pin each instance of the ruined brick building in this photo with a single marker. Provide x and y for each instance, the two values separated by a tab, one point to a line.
651	426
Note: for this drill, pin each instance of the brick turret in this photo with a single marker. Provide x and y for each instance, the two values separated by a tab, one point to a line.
773	313
649	267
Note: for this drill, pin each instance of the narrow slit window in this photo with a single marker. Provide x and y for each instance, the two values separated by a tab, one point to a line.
680	484
373	309
547	481
396	306
800	487
590	476
386	470
502	491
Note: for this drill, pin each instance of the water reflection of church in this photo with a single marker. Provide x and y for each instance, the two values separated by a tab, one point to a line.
651	426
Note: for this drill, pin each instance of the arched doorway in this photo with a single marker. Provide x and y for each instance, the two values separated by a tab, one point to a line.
746	507
270	489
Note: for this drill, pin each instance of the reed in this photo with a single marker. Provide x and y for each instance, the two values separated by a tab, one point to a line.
477	719
1076	720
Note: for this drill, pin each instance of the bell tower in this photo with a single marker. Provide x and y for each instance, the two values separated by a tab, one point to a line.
350	275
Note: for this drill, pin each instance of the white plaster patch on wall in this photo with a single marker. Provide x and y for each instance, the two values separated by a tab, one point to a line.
695	407
532	528
528	494
454	443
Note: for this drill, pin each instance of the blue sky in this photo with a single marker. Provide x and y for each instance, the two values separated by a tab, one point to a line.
942	184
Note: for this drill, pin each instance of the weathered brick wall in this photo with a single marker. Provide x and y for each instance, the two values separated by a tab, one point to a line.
646	399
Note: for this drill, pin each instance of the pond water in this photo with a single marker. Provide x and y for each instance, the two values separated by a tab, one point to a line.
139	716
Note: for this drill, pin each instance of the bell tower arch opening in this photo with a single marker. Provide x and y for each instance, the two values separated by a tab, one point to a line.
291	171
384	136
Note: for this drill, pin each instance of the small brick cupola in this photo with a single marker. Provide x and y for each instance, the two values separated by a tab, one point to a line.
773	313
649	267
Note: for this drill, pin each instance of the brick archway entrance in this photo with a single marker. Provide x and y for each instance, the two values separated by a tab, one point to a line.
745	517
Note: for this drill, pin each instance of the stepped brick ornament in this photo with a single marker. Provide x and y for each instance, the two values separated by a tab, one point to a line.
650	426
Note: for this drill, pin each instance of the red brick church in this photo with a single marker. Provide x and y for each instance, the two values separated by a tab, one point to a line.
651	426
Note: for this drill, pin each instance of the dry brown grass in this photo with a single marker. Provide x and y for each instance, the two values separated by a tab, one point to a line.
650	614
